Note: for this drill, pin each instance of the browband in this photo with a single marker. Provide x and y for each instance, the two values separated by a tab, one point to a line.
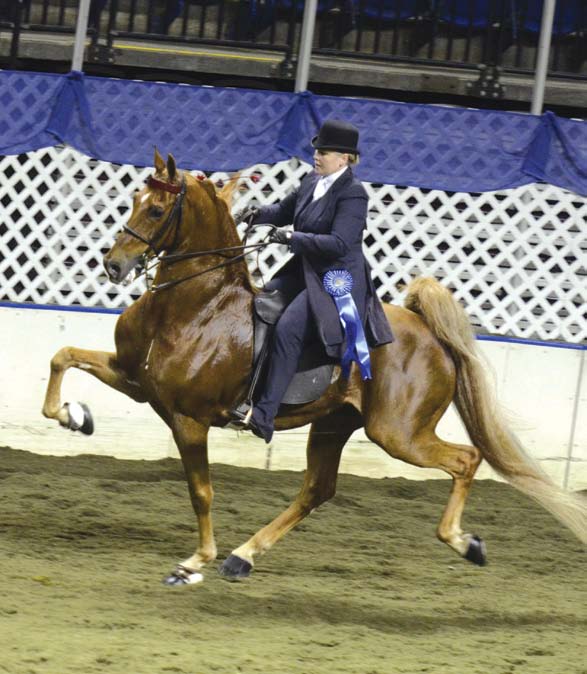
160	185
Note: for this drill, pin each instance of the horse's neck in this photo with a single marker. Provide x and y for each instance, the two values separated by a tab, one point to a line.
205	226
208	308
202	283
206	222
207	278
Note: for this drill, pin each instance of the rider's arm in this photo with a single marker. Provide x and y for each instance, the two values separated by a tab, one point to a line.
280	214
347	231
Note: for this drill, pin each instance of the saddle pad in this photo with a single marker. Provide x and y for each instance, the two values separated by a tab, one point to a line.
313	377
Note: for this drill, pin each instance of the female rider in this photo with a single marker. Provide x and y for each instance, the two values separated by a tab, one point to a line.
329	216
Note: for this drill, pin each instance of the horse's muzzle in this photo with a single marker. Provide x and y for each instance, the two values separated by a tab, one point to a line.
113	270
118	270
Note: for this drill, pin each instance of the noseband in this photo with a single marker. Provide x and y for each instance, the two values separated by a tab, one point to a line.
175	215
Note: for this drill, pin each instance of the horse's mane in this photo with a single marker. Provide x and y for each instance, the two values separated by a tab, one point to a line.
222	199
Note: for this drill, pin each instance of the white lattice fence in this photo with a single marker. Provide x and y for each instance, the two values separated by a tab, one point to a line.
516	259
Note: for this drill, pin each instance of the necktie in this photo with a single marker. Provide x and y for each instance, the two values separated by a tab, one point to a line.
321	187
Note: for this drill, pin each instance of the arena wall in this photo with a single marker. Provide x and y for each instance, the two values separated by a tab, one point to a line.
543	388
513	258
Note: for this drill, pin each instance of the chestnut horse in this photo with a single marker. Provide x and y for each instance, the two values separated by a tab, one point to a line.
185	347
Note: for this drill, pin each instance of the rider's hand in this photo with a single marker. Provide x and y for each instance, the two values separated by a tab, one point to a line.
280	236
246	214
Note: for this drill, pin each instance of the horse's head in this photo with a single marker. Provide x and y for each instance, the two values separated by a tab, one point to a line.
173	213
154	222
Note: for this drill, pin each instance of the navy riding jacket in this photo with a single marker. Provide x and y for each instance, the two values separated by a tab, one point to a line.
328	234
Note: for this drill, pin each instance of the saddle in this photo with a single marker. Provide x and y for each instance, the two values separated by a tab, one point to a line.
314	373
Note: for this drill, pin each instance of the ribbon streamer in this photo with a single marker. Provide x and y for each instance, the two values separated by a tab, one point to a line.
338	283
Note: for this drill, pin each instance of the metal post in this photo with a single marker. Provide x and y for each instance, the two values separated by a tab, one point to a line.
16	26
81	29
542	58
306	39
574	421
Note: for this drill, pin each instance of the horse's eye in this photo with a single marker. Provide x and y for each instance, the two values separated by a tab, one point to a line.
155	212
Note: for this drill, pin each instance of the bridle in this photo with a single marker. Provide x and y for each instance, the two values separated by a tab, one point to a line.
175	217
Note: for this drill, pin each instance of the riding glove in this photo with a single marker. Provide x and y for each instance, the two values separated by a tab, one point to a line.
280	236
246	214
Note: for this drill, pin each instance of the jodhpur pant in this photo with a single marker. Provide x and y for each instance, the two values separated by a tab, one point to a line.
294	330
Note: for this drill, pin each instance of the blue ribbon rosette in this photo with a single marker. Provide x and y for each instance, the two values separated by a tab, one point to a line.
338	283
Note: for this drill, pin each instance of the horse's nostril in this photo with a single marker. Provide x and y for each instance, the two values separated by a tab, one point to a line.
114	270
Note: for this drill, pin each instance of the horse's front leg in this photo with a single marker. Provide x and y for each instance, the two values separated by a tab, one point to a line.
191	438
102	365
325	444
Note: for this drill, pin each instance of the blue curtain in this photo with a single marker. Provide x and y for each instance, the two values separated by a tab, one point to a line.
219	129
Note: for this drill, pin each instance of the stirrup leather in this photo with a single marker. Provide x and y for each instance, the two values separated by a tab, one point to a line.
241	415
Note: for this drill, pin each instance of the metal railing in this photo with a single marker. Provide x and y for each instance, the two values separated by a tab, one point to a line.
456	33
238	23
36	16
10	21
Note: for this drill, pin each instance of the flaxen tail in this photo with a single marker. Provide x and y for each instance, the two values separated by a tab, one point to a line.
479	410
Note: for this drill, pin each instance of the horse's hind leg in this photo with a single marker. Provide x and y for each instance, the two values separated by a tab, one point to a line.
427	450
101	364
461	463
325	443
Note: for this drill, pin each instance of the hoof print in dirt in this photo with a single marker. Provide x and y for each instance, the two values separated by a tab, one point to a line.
476	551
235	568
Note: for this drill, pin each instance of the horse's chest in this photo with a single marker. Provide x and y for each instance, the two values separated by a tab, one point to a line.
180	360
170	354
191	364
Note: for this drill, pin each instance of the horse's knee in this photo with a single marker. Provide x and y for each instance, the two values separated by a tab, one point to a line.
61	360
202	499
315	494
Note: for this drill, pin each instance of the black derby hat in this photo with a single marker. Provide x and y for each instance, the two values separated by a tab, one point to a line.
337	135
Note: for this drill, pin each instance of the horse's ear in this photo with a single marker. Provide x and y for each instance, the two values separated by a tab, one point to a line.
158	162
171	167
227	191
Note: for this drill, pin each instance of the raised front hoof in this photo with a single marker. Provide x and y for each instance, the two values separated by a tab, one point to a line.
182	576
476	552
79	418
235	568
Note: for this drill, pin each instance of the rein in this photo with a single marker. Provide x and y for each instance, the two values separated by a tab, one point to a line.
213	251
176	215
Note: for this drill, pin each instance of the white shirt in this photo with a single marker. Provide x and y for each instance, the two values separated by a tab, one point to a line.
325	182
